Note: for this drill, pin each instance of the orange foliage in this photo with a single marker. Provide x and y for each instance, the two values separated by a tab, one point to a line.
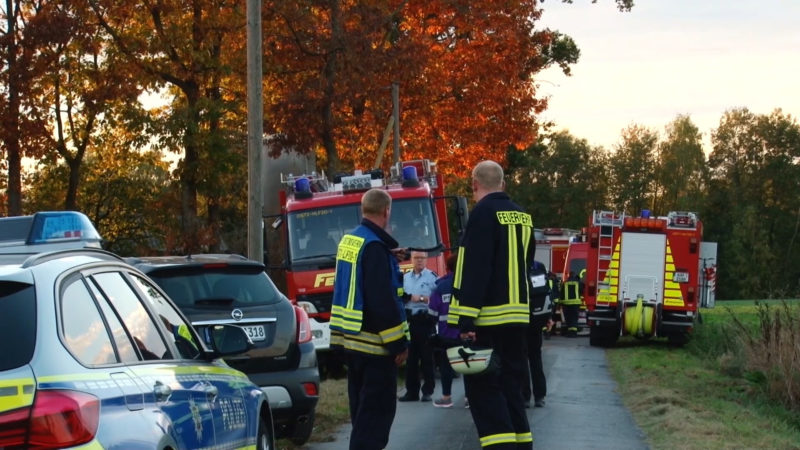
464	69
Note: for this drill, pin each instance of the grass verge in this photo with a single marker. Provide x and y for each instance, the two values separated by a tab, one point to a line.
703	396
332	411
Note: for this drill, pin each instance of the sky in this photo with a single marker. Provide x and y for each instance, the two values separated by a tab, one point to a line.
669	57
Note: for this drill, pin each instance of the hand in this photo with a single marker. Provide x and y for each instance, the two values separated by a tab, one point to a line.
470	335
400	253
401	357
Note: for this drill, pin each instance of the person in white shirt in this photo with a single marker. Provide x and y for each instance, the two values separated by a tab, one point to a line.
418	284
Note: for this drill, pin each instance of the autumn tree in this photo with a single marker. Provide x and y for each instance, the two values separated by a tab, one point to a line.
84	87
191	50
464	69
126	193
27	25
633	169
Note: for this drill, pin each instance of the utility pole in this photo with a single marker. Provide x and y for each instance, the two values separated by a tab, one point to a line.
396	116
255	133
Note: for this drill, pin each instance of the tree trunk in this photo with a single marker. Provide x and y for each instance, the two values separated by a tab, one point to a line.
330	79
11	122
188	175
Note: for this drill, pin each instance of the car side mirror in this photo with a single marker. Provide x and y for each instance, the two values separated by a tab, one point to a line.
226	340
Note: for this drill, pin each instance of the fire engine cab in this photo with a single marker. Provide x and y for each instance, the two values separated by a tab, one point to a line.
644	276
315	213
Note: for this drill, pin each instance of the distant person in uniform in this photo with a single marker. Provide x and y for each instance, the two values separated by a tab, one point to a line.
418	284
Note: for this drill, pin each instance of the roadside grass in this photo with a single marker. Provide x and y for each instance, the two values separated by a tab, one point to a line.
714	393
332	411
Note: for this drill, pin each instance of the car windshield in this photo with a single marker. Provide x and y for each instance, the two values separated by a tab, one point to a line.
17	324
229	287
316	233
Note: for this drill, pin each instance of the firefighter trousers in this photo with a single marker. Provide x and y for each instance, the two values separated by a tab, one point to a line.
571	317
372	391
495	399
535	381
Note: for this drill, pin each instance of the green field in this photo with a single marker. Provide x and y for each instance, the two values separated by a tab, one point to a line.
712	394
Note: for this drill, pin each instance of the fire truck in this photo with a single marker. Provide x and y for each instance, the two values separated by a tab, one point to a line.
551	247
301	241
646	276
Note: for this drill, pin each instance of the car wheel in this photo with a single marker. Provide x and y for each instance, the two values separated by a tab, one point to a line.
301	431
265	440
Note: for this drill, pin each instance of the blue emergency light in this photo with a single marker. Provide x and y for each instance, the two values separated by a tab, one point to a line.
410	178
61	226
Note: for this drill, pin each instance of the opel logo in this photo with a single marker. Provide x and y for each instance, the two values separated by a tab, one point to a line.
237	314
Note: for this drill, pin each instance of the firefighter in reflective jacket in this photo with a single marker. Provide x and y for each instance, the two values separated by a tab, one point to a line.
571	303
368	320
490	305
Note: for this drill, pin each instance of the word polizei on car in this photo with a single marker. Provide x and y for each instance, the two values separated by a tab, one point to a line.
94	355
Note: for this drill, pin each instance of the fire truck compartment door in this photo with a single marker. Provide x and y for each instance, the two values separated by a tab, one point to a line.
641	266
708	274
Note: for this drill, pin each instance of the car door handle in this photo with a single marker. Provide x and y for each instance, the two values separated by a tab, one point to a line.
211	392
161	391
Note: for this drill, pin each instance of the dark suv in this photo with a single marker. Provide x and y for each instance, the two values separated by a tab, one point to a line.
214	289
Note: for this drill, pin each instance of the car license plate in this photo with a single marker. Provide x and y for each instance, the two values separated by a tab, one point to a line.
255	332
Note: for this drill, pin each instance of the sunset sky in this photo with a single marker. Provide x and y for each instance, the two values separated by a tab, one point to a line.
666	58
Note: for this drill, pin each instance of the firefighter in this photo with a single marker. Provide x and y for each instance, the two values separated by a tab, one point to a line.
368	321
571	303
490	305
541	309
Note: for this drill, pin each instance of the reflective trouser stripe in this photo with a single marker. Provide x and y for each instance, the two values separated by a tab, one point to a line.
500	438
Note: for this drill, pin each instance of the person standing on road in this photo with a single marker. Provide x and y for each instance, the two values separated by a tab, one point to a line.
368	321
540	315
571	303
490	305
418	283
446	335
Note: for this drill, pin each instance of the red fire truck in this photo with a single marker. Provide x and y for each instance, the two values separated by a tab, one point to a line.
301	241
551	247
646	276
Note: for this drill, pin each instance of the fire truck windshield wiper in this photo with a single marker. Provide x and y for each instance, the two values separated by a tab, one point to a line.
327	256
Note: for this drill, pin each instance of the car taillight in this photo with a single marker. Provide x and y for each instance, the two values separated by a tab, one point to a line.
63	419
303	325
14	427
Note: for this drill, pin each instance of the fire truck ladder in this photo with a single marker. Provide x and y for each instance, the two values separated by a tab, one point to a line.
607	221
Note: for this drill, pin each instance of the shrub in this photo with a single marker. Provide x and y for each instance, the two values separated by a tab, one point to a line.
772	350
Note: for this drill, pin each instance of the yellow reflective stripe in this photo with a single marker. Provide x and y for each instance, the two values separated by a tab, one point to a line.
348	251
524	437
513	275
337	338
459	268
350	343
500	438
526	240
16	393
503	314
346	319
392	334
468	311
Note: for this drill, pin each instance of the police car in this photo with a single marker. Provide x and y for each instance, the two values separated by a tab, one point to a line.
94	355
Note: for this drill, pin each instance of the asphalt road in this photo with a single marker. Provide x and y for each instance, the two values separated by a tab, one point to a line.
582	411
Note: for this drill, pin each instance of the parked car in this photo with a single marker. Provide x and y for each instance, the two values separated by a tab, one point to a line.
94	355
214	289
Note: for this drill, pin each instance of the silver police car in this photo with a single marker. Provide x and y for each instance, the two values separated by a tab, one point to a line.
94	355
